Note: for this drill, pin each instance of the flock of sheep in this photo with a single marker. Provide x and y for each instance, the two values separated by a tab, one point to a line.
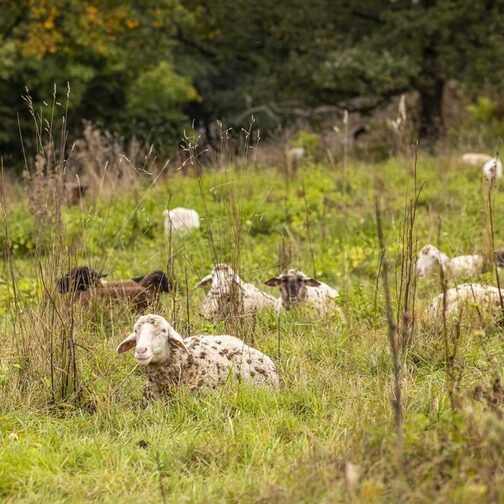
209	362
198	361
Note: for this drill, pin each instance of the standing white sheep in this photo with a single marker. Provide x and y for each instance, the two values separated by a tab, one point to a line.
431	258
296	288
181	220
197	362
230	295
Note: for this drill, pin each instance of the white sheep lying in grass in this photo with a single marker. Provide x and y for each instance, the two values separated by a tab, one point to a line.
475	158
197	362
230	295
297	288
464	295
296	153
430	258
492	169
181	220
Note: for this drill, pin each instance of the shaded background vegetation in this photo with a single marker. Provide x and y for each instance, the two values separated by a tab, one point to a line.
150	69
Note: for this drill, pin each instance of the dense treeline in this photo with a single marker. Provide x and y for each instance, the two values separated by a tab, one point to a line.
150	68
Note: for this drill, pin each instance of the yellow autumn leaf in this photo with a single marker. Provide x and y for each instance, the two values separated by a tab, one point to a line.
131	23
92	13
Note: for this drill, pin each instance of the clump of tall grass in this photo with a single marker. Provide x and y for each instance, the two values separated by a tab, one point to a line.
226	233
108	164
43	336
43	330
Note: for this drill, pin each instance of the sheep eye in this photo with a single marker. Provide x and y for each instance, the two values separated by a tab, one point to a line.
285	280
299	279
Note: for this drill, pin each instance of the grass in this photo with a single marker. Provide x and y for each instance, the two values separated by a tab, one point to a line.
244	445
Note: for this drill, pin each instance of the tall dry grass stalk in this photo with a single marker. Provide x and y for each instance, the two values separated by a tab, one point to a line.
451	343
491	231
345	150
392	328
401	325
105	164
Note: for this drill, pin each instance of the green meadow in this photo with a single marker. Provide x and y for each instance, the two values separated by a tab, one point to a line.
329	434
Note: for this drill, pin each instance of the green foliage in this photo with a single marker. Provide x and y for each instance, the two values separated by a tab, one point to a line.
156	97
21	237
362	71
308	140
486	116
483	110
116	56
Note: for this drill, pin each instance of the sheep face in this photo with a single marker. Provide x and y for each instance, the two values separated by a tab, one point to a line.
154	340
293	286
79	279
223	280
428	260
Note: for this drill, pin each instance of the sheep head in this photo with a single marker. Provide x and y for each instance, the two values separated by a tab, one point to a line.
79	279
154	340
156	280
223	280
428	260
293	286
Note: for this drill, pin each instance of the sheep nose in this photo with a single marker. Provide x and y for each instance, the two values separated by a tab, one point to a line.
141	350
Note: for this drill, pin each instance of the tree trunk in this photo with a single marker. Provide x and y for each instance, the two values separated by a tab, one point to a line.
431	112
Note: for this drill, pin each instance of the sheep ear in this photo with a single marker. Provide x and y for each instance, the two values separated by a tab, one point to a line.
127	344
176	340
204	282
311	282
273	282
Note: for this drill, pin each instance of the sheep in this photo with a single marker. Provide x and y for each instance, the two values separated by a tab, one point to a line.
156	277
181	220
229	294
492	169
490	166
462	266
465	294
475	158
196	363
86	285
296	153
294	156
297	288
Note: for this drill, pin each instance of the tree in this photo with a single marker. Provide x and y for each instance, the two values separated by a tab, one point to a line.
438	40
149	69
117	56
282	59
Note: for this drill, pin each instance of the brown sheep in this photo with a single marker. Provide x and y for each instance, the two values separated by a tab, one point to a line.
87	285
